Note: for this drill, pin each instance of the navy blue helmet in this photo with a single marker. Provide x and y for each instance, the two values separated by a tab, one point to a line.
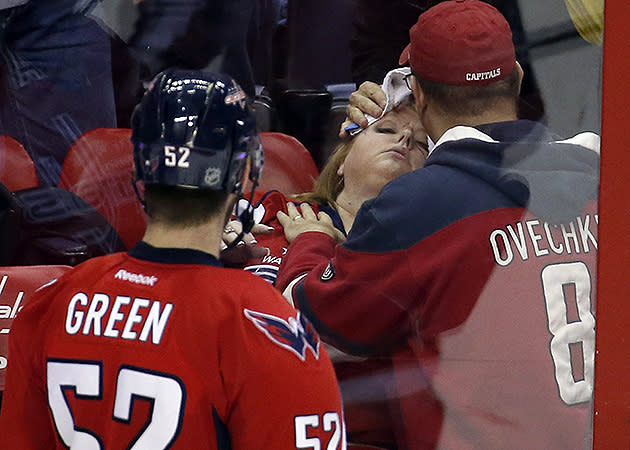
195	129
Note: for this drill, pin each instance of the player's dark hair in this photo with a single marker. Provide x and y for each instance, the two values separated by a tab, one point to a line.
177	206
465	101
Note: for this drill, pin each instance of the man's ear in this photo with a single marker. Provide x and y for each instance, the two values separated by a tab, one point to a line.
418	95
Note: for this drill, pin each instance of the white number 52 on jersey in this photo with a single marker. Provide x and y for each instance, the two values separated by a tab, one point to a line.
166	391
329	422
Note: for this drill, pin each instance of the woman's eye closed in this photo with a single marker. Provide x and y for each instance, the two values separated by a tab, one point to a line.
385	130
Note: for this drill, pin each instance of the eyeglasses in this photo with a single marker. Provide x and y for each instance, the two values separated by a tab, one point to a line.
407	82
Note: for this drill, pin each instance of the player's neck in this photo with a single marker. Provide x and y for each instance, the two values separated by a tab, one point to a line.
205	237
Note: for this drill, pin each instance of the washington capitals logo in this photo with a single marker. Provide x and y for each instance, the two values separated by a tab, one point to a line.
295	334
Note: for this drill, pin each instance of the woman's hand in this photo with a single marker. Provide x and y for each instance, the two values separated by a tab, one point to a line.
296	222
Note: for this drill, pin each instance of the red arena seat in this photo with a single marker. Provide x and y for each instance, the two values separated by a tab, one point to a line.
289	167
99	169
99	166
17	170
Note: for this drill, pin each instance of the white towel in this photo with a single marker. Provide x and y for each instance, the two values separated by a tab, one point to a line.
396	91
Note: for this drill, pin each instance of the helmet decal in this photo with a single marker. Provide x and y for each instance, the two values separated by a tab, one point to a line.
236	95
213	176
195	129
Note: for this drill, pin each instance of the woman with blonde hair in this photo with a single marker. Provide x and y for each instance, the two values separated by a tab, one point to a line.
357	170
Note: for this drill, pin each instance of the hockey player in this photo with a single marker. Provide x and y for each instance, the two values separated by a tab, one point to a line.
161	347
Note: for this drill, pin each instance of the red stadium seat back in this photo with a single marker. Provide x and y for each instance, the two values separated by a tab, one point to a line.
99	169
289	167
17	170
16	285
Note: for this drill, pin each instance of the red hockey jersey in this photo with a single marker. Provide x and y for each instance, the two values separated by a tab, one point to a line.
163	348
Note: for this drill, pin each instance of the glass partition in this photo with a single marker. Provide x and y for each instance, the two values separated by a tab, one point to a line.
460	311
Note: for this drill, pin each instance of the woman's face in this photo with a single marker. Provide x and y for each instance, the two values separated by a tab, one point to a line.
390	147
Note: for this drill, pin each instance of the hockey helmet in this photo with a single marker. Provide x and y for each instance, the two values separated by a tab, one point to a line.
195	129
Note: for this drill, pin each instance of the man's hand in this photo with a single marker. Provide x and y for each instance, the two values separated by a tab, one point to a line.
296	222
370	99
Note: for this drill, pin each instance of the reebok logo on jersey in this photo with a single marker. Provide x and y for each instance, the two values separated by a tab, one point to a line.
137	278
295	334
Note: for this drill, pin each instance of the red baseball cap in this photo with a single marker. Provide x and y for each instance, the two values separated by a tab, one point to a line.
460	42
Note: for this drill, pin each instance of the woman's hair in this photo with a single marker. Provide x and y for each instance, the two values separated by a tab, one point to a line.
329	184
179	206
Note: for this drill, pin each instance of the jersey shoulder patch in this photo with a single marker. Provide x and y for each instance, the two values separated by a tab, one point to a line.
295	334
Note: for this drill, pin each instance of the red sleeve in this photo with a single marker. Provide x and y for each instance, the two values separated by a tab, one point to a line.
365	301
308	251
338	289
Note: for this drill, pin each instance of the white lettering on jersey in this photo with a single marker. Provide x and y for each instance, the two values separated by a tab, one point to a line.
330	423
10	311
572	345
533	238
98	316
270	259
137	278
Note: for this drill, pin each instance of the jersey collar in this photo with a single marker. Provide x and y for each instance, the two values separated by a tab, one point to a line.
147	252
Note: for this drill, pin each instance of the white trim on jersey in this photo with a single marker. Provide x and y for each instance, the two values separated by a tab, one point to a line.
588	139
288	292
462	132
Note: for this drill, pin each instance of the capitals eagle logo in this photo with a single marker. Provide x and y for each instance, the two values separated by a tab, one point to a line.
295	334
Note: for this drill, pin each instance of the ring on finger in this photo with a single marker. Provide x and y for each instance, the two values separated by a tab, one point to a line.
299	216
228	229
